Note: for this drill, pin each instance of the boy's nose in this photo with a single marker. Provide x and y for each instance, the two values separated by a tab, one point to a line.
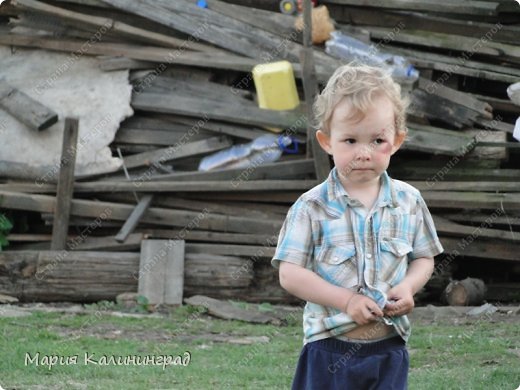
363	153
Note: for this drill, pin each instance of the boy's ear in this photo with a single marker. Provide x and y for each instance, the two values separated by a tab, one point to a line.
398	141
324	141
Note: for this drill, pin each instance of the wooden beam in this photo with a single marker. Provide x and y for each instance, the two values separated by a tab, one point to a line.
27	110
177	151
447	6
159	216
76	19
146	53
65	188
277	170
190	106
310	87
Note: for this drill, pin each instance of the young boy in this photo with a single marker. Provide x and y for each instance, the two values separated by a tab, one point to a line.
358	246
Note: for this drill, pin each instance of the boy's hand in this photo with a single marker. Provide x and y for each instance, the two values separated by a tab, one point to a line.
362	309
402	297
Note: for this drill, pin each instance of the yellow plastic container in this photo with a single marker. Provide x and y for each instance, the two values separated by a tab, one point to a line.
275	86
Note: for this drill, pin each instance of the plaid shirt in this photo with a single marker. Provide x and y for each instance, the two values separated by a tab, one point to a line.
332	234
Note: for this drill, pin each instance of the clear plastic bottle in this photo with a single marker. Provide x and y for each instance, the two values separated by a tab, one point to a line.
347	48
264	149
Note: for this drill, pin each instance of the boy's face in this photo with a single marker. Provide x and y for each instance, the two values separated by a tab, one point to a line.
361	149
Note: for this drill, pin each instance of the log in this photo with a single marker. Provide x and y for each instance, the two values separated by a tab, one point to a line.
50	276
467	292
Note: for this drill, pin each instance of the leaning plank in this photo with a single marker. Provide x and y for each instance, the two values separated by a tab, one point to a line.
189	106
76	19
435	140
65	188
133	219
159	12
165	217
228	311
455	96
152	54
24	108
177	151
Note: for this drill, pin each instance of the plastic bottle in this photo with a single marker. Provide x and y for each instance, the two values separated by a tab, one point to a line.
264	149
347	48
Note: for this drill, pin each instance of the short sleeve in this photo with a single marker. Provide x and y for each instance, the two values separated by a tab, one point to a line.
426	243
295	238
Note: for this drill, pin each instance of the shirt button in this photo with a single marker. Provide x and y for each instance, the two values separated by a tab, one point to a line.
369	255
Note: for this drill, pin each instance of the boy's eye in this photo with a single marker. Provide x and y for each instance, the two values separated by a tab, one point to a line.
350	141
379	141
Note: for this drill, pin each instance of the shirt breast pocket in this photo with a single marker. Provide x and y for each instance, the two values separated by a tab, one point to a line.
394	259
337	264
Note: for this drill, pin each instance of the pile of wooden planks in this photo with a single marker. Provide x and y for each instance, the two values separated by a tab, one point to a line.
193	95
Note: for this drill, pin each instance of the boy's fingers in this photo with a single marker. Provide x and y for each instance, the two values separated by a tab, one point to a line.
375	310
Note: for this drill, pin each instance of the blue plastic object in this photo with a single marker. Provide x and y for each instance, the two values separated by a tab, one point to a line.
262	150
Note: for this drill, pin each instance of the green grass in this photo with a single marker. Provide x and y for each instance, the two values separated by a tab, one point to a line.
475	356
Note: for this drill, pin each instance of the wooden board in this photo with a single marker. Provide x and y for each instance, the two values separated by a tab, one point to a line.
161	271
65	188
27	110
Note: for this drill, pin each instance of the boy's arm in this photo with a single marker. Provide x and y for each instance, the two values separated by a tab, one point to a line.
309	286
419	272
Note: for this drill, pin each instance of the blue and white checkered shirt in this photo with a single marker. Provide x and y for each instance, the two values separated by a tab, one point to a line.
332	234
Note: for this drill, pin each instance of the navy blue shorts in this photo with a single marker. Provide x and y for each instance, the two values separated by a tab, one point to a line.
335	364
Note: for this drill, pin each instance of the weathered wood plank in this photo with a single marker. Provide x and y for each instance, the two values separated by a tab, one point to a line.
76	19
166	217
273	171
310	87
64	192
447	6
146	53
24	108
181	150
365	16
161	271
447	227
227	311
189	106
435	140
133	219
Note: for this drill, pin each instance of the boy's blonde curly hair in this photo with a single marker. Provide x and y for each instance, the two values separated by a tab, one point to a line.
359	83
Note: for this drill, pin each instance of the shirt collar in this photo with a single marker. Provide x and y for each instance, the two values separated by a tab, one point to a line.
387	196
